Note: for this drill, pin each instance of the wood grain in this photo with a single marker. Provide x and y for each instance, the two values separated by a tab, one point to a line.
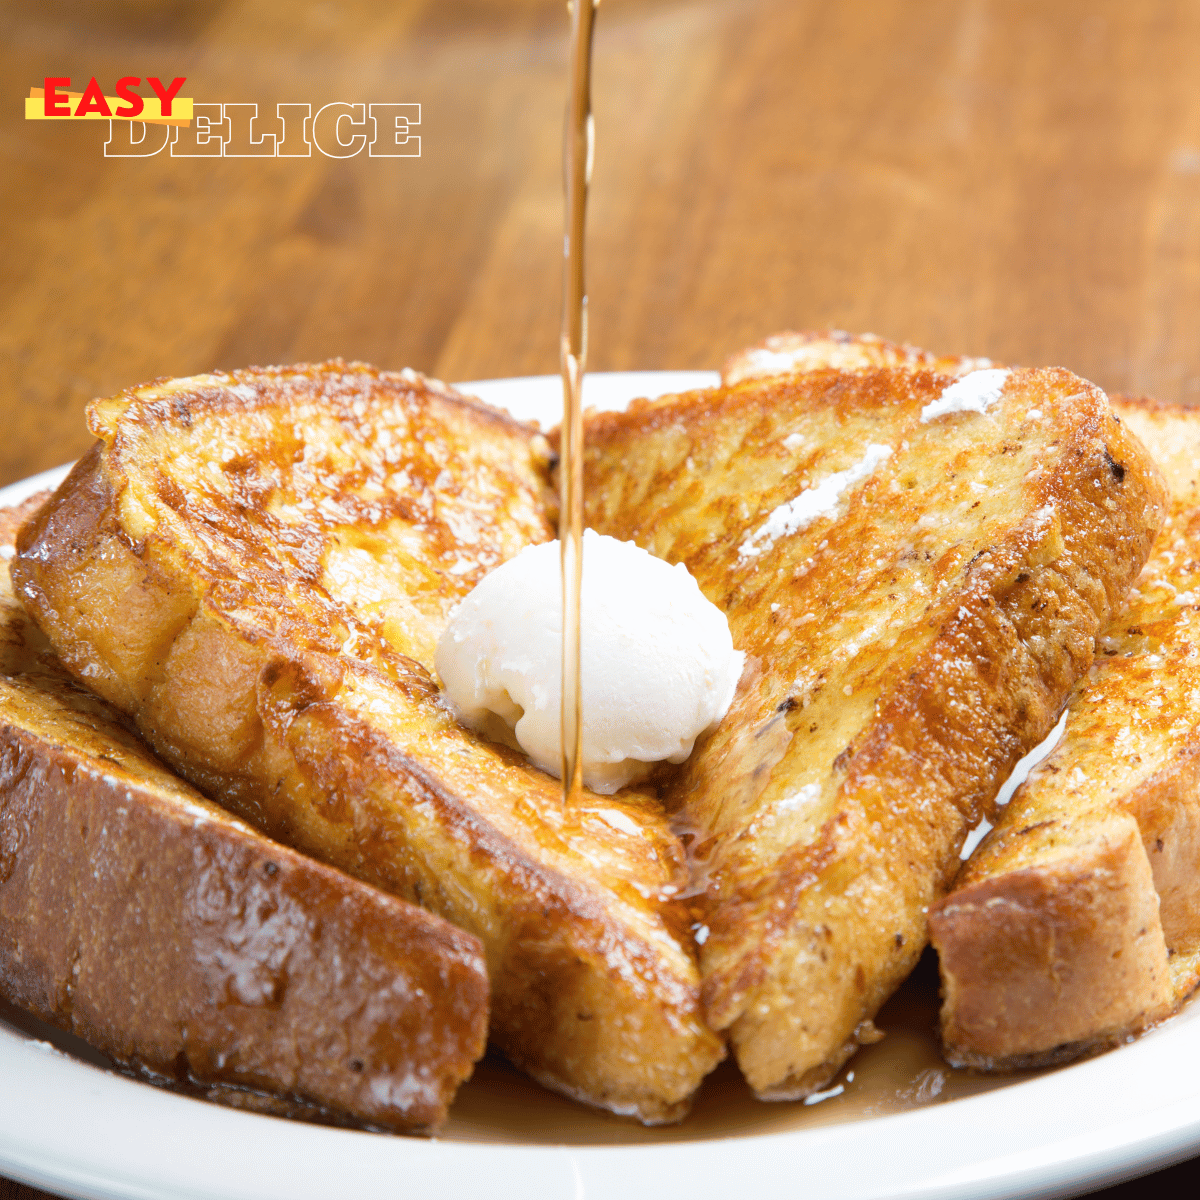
1013	178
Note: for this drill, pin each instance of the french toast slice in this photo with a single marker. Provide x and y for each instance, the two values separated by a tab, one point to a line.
257	567
1075	926
1076	922
192	950
917	594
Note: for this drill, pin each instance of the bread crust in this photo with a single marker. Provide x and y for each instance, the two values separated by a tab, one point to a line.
1057	958
1084	965
900	672
24	648
189	948
269	621
821	349
192	950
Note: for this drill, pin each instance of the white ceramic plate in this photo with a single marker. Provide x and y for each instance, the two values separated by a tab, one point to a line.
74	1128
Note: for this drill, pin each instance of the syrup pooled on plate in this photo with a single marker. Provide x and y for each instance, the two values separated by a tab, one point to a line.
903	1072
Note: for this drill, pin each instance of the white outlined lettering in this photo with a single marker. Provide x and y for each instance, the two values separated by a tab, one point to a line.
235	130
205	137
242	143
327	129
295	119
390	136
123	142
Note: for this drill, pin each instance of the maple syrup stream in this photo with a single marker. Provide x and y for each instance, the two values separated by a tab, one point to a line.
578	144
904	1072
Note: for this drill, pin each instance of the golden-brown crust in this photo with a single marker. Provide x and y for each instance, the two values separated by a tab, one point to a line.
1056	959
282	548
909	648
192	950
1167	809
183	944
817	349
24	648
1104	943
14	516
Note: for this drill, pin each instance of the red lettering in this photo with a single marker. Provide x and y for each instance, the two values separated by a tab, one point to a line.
125	90
93	100
56	103
166	95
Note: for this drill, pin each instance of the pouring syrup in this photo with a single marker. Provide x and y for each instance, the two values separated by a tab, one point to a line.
578	146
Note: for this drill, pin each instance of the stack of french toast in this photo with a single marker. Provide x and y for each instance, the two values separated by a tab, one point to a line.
245	846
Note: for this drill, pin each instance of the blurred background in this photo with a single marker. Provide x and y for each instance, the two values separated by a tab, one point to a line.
1015	178
1012	178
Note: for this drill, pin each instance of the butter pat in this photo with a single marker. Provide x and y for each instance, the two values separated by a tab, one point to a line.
657	660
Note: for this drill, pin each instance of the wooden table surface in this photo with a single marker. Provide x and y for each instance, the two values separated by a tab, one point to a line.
1014	178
